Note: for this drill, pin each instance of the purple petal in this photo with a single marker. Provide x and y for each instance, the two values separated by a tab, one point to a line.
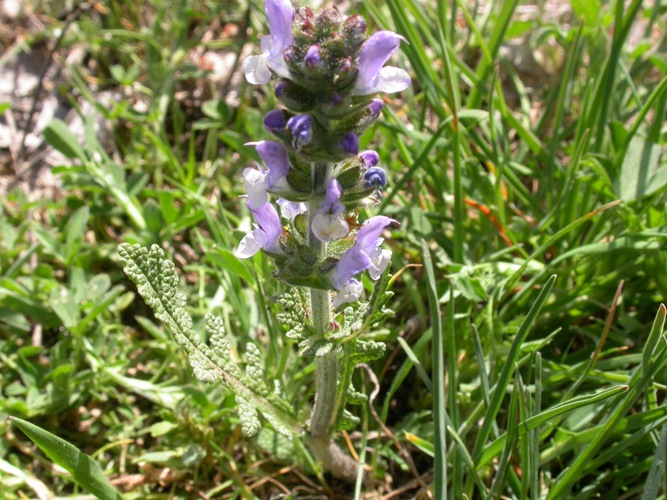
274	156
369	157
290	209
280	89
331	202
350	144
375	108
313	57
375	176
268	219
302	130
352	262
279	13
275	120
375	52
370	232
392	80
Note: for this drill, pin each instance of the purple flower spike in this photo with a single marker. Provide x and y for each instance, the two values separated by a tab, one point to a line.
302	130
375	177
373	77
369	157
274	155
258	68
350	144
264	237
275	121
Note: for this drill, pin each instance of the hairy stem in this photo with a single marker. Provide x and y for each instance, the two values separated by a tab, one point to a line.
326	367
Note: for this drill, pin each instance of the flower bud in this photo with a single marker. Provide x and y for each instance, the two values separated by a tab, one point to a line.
369	114
354	30
369	157
326	22
276	122
301	129
350	144
295	97
335	107
313	58
345	73
375	177
375	107
303	25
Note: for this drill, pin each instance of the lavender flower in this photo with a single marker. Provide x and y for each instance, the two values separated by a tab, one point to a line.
274	177
275	157
254	182
264	236
364	254
329	224
373	77
258	68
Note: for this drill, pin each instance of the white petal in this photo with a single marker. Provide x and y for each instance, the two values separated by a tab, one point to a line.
350	292
380	264
290	209
256	70
392	80
277	63
266	44
327	227
255	185
248	246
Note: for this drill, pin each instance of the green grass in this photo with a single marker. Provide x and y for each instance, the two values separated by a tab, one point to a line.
527	356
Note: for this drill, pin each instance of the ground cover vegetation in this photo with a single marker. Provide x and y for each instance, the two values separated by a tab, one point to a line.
526	166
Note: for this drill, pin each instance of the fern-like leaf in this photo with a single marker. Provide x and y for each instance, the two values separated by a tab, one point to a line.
294	303
157	282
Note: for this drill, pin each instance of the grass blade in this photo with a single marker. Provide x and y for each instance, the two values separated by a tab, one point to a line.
439	402
505	375
84	470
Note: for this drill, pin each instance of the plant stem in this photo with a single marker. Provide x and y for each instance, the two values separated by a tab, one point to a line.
326	366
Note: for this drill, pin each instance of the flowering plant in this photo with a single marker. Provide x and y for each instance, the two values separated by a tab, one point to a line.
304	199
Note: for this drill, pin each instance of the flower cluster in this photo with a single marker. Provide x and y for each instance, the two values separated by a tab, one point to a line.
326	70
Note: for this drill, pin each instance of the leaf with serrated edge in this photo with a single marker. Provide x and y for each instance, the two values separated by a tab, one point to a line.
157	282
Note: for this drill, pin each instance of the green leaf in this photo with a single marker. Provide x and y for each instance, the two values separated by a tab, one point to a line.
75	231
84	470
641	172
230	263
60	137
